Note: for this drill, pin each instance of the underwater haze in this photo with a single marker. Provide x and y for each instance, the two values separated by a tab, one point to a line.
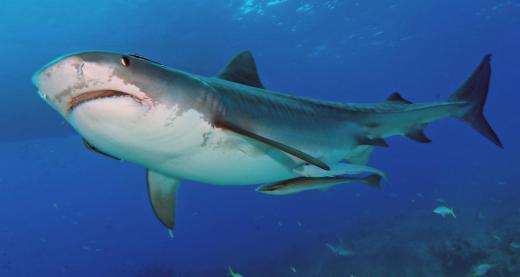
66	211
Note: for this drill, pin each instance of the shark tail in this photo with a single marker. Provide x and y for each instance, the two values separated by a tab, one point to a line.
474	91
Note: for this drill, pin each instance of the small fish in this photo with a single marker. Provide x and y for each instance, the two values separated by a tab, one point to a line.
515	245
481	270
339	250
293	269
497	237
443	210
234	274
440	200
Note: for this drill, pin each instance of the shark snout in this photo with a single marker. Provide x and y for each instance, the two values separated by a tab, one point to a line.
59	74
55	80
36	82
35	79
57	66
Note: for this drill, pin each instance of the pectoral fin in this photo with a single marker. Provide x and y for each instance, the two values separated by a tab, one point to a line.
162	191
285	148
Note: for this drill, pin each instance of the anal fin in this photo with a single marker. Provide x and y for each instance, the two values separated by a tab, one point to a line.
162	191
418	135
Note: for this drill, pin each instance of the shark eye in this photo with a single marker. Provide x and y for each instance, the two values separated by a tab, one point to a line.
125	61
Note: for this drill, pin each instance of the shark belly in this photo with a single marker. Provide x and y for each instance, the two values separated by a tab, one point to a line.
245	165
178	144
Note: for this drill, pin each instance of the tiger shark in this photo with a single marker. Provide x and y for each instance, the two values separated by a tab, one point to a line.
228	129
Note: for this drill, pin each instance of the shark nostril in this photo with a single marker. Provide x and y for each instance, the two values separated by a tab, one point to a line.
79	69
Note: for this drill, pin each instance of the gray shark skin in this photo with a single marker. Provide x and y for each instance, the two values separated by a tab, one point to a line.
228	129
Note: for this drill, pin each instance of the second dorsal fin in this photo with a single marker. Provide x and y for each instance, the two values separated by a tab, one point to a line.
241	69
397	98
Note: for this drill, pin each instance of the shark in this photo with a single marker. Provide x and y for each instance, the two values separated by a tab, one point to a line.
228	129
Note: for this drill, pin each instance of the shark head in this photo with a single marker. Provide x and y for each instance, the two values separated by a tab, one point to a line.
117	102
75	79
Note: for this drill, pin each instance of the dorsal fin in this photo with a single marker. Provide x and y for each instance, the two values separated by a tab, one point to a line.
242	69
397	98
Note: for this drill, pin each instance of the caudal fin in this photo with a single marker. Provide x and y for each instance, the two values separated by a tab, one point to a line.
474	91
452	212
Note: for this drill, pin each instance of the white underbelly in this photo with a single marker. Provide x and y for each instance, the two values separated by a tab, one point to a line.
225	166
182	145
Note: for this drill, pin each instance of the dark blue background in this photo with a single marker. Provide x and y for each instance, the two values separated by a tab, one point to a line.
67	212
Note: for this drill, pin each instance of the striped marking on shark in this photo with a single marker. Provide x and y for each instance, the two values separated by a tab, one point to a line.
230	130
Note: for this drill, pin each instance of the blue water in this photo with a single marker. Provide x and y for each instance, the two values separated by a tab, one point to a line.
65	211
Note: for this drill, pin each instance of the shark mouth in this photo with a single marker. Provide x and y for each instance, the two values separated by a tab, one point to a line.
97	94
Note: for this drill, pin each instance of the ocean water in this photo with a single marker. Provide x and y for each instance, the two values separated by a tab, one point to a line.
65	211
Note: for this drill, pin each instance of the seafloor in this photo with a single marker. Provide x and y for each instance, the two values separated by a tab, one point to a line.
410	245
